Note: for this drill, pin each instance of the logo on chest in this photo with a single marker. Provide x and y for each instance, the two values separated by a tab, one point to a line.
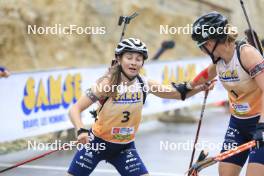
229	76
127	98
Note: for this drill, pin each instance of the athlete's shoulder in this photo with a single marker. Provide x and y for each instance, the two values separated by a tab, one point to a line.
250	56
102	86
105	80
247	48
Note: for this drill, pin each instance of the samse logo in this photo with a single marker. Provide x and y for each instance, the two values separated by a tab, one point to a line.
57	93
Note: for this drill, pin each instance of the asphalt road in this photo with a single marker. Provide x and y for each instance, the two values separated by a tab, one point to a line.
164	148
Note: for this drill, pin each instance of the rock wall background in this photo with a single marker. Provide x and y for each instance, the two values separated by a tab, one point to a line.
21	51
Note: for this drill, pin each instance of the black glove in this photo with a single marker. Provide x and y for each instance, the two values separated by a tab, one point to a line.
259	135
82	130
183	88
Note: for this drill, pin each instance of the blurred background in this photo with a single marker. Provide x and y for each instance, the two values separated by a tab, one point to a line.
28	54
21	51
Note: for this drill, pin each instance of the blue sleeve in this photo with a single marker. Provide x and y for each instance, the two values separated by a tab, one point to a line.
2	69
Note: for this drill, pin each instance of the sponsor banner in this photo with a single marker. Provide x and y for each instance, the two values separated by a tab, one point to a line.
34	103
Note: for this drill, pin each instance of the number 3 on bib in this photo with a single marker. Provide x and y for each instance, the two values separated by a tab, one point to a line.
125	117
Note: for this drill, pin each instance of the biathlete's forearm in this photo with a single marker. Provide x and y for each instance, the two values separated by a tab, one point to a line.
193	92
75	116
204	76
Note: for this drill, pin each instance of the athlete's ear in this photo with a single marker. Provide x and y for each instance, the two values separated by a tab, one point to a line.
228	44
118	58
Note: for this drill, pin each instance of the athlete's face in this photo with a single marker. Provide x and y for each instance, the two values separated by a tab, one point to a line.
210	46
223	50
131	63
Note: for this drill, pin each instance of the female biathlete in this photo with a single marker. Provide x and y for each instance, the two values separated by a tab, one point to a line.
240	68
112	136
